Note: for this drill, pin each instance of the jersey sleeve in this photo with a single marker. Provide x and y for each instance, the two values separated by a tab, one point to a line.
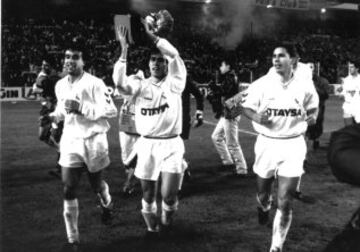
176	67
252	96
311	101
126	85
103	107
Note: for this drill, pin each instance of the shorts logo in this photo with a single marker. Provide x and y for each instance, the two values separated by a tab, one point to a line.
154	111
283	112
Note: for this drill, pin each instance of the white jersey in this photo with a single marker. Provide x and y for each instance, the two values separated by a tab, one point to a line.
158	106
286	104
351	92
96	105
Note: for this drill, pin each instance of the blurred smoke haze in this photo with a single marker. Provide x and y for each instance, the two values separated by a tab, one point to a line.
234	19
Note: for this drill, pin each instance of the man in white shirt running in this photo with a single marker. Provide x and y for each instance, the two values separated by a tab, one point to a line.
84	104
281	106
158	119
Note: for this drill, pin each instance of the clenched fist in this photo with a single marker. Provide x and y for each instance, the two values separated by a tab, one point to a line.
72	106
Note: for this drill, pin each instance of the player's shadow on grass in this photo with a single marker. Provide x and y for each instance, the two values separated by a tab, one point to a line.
177	239
203	183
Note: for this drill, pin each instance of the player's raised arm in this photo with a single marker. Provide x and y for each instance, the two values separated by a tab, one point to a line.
104	106
176	66
122	83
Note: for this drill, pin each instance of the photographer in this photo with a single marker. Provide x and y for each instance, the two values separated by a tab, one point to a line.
225	135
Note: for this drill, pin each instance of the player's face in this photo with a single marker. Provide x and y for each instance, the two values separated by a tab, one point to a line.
74	63
281	60
352	69
158	66
45	66
224	68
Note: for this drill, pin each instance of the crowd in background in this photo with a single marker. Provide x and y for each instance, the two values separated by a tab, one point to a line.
25	44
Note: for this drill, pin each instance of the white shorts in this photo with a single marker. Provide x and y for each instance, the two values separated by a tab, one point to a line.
91	152
279	157
127	144
158	155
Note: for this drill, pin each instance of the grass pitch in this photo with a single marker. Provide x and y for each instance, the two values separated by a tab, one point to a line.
218	212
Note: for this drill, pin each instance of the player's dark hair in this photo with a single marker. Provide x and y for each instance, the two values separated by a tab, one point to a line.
77	45
154	51
290	49
356	62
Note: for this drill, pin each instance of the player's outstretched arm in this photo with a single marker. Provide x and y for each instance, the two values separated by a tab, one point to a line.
103	107
176	67
119	76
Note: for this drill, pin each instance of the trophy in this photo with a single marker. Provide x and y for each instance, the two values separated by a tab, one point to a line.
161	24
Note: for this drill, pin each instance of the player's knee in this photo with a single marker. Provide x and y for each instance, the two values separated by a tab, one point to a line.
170	206
170	200
284	203
149	196
69	192
148	206
263	198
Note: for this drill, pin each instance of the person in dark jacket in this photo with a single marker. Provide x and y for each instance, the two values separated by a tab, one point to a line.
191	89
225	135
322	86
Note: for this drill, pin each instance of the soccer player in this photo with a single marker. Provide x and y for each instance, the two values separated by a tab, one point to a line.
128	137
225	134
49	133
84	105
301	70
158	119
281	105
351	91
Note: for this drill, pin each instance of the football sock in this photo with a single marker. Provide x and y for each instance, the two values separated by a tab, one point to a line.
104	195
71	215
168	212
281	225
149	212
